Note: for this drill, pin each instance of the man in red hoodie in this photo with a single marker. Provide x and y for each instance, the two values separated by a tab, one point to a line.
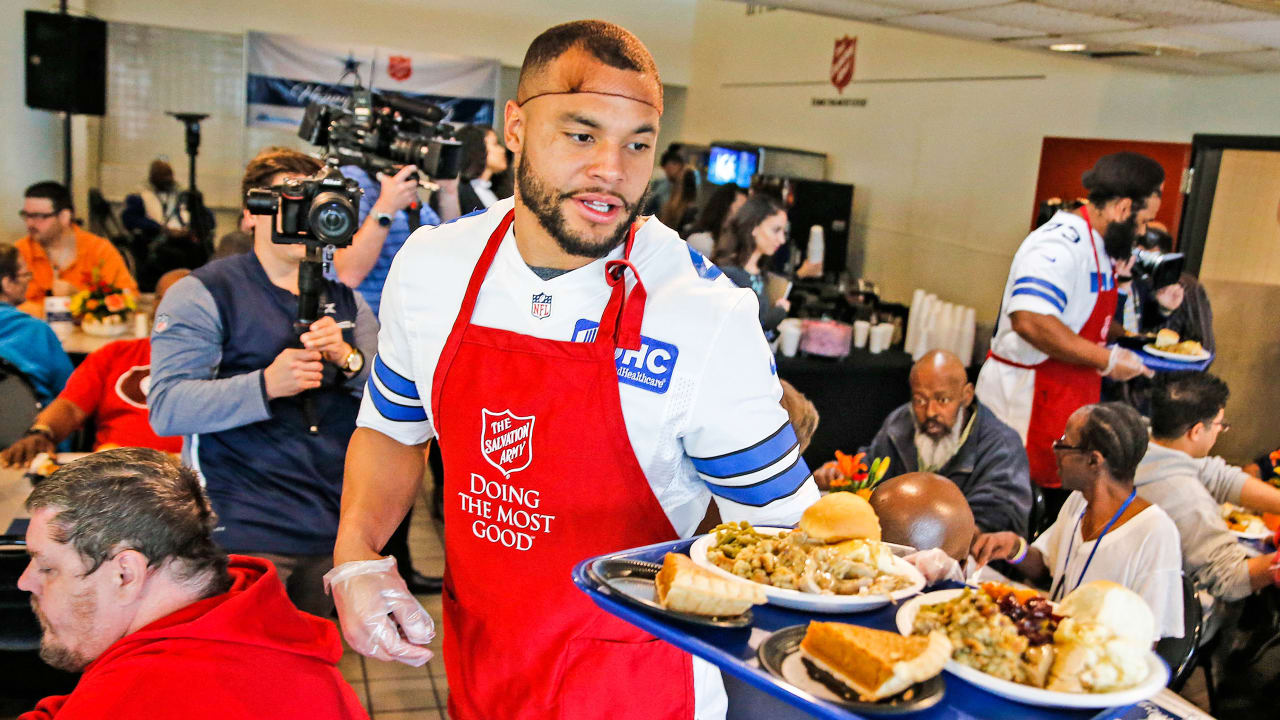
130	588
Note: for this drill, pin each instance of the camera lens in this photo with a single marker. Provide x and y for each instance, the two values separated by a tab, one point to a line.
332	219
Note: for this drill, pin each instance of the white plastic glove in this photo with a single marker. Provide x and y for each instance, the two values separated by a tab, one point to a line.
1125	365
936	566
379	617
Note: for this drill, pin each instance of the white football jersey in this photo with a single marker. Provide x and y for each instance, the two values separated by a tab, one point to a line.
700	398
1053	273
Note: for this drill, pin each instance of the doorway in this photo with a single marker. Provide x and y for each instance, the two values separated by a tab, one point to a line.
1231	235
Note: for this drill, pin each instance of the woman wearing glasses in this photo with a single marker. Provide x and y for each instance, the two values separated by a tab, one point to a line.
1104	530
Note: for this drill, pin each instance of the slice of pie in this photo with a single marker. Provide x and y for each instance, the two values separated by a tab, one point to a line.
684	587
873	663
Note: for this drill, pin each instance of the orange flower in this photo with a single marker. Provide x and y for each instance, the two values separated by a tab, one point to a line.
864	493
841	482
851	466
114	303
91	304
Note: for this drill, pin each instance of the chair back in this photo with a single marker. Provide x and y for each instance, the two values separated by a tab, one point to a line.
18	398
1180	653
1039	519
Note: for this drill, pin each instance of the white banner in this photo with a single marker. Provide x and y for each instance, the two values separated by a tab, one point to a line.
285	73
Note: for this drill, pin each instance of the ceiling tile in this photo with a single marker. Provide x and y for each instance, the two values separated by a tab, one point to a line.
1042	18
1264	60
853	9
1175	39
922	6
1265	34
951	25
1163	12
1180	65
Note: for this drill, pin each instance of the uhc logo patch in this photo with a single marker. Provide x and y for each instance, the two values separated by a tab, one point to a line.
649	368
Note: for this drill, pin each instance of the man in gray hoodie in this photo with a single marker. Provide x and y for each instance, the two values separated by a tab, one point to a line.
1177	473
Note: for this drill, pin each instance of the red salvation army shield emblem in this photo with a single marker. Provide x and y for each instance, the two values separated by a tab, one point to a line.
399	67
842	62
506	440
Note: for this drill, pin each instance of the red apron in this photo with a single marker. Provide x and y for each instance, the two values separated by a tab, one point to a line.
549	479
1061	388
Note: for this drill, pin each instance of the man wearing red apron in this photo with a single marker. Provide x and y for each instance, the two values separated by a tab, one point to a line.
592	382
1049	353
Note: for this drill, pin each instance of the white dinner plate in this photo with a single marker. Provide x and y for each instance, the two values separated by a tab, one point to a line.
1260	535
815	602
1157	676
1177	357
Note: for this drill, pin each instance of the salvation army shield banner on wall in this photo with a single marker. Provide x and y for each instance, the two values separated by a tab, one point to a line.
285	73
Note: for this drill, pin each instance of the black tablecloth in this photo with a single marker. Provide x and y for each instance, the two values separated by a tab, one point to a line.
853	396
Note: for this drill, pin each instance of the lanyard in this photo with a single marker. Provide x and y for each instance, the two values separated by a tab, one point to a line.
1060	583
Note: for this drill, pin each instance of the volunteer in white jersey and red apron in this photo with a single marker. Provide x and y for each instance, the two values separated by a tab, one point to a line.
593	383
1049	353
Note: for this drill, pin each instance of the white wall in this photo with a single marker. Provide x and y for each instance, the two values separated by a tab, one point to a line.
944	172
30	140
499	29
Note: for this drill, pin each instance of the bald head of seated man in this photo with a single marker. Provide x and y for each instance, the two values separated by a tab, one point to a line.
925	511
944	429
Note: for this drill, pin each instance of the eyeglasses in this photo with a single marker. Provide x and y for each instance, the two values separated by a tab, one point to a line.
35	215
921	401
1225	426
1060	445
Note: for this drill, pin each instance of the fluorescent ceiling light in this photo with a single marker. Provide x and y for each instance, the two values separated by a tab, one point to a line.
1067	47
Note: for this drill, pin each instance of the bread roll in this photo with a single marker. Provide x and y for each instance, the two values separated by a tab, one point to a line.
840	516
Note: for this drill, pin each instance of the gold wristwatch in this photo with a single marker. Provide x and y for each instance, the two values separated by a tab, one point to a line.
353	363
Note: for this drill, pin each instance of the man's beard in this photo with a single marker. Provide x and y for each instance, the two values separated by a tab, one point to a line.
60	656
935	428
1119	237
545	203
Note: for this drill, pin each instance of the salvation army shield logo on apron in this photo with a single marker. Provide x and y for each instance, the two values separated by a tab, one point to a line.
506	441
842	62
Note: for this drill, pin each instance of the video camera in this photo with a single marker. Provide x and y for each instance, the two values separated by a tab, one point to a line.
1152	263
380	133
323	208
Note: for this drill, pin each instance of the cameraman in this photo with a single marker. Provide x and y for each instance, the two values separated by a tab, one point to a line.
227	374
384	226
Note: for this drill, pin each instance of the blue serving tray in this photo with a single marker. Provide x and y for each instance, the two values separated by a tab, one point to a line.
734	652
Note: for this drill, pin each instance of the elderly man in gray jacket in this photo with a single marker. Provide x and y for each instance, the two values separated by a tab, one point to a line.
1177	473
945	430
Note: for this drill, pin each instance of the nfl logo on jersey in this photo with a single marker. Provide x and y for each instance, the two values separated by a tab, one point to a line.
541	306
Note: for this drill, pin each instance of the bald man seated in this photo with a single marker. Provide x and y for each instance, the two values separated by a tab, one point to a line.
945	430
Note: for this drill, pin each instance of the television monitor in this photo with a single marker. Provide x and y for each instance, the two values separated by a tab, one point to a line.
731	165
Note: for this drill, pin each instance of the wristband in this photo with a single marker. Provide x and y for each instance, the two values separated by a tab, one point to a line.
1022	551
40	429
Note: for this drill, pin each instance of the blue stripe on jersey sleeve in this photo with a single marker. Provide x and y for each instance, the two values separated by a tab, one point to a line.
395	382
1040	294
757	457
391	410
1044	284
782	485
